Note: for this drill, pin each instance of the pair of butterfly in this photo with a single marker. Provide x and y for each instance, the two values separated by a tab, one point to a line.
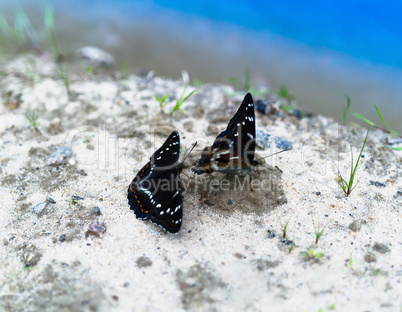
155	192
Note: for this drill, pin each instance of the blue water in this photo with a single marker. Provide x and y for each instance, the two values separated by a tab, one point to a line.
369	30
319	49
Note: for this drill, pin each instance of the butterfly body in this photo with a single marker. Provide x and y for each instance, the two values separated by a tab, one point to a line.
155	192
233	149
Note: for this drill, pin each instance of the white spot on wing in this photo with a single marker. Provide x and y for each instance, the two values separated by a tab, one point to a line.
250	135
158	205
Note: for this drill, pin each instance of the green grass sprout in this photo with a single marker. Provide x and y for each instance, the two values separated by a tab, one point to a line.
182	99
394	133
284	93
347	186
73	201
284	228
346	110
319	231
311	255
292	245
330	308
385	129
352	261
33	119
285	108
161	101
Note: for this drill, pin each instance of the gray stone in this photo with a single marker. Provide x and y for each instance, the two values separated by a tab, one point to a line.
96	57
59	156
39	208
264	140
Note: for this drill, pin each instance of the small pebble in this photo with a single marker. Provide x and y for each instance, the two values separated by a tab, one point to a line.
207	202
62	237
230	202
39	208
59	156
287	242
298	113
126	284
264	140
96	57
75	197
261	106
97	228
270	234
50	200
96	210
377	184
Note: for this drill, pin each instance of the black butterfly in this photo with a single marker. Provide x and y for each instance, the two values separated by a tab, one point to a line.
155	192
233	149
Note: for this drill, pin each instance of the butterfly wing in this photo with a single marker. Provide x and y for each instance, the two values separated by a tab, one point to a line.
155	192
233	149
242	128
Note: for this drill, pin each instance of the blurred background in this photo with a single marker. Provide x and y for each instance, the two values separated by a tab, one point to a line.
320	50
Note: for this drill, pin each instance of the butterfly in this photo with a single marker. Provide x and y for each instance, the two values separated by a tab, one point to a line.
233	149
155	192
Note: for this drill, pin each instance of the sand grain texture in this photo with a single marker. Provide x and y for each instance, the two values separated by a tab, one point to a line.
222	259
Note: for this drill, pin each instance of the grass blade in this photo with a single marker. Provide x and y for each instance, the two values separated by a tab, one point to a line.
49	17
191	93
346	110
348	187
181	100
353	173
357	115
383	121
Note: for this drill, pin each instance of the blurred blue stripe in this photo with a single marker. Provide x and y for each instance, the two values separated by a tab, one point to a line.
369	30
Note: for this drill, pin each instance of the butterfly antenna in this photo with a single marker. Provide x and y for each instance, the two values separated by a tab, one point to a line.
185	157
276	153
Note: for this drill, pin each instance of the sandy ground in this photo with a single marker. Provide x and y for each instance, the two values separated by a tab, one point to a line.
230	254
